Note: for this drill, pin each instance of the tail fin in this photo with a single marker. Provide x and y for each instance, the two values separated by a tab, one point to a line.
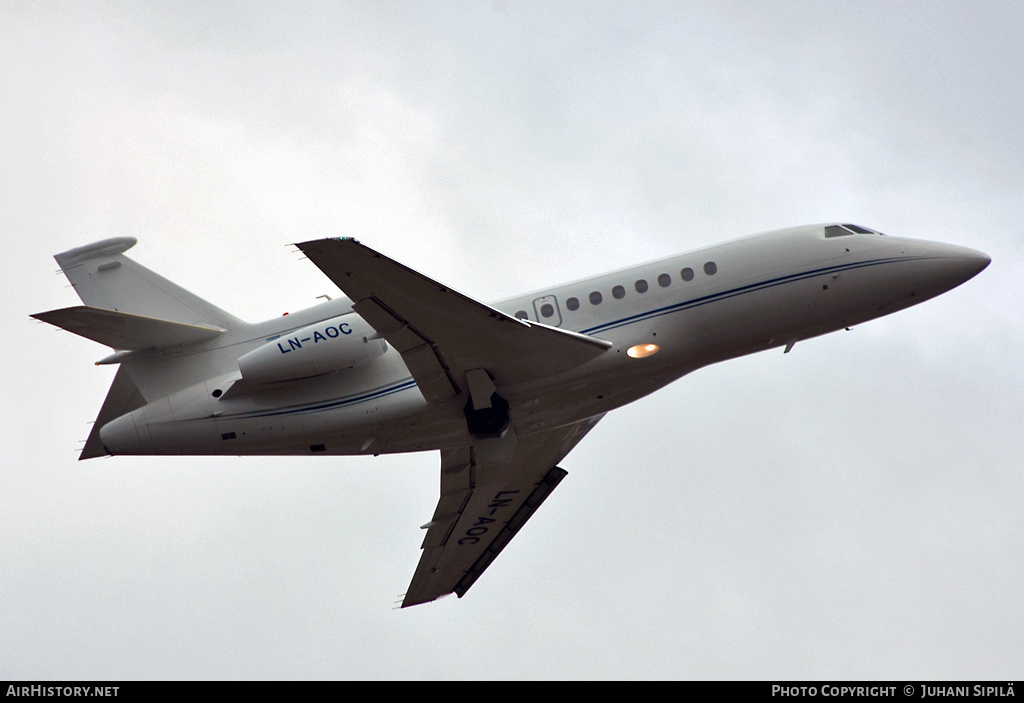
105	278
130	308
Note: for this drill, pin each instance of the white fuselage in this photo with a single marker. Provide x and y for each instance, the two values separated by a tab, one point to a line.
699	308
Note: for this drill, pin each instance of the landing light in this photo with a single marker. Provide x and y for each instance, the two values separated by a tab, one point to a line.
639	351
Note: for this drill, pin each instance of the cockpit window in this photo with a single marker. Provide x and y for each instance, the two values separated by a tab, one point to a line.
836	231
858	229
846	230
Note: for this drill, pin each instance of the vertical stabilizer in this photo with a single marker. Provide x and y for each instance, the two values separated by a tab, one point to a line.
105	278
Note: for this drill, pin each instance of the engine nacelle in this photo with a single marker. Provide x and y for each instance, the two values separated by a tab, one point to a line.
339	343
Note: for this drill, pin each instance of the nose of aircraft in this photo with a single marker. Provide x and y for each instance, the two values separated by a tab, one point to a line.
945	266
968	263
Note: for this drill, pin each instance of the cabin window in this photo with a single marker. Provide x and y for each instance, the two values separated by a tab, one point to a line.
618	292
522	315
686	274
573	303
595	298
664	280
641	286
711	268
546	310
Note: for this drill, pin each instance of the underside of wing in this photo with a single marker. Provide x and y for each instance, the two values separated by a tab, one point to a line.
443	334
488	492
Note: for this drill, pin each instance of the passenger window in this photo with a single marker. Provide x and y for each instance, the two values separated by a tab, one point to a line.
522	315
711	268
546	310
596	298
618	292
664	280
641	286
686	274
573	303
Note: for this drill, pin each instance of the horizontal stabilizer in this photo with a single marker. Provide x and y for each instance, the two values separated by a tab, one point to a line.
125	331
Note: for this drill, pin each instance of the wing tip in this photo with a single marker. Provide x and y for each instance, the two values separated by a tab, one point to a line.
408	603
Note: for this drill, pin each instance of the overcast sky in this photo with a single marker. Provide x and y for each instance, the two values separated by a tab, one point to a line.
849	510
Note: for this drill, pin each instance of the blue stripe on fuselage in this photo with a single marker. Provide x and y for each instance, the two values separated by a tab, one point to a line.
732	293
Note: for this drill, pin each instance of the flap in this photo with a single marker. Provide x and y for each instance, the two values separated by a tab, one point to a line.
441	333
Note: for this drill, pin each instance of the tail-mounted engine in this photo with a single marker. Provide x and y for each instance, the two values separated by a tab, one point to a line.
332	345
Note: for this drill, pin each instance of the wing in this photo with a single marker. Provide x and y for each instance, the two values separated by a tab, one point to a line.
488	492
453	344
443	334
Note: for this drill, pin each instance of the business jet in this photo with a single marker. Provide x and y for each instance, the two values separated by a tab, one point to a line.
503	392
